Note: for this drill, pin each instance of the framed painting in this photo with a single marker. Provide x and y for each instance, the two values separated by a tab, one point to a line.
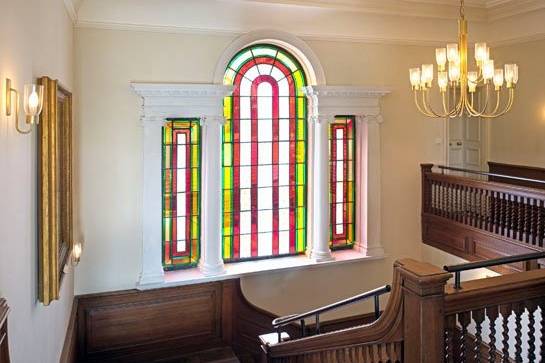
55	222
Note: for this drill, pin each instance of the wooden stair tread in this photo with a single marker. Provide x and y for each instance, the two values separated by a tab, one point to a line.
222	354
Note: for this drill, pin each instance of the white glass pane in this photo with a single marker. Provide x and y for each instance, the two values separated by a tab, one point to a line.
245	87
245	176
283	88
245	131
181	157
284	175
264	245
181	139
340	149
245	222
340	171
277	74
264	68
339	228
251	73
180	227
180	202
339	213
180	245
284	219
180	180
264	176
246	153
245	246
284	197
264	130
284	107
245	108
284	243
245	200
284	152
264	221
264	198
339	133
265	153
284	129
339	192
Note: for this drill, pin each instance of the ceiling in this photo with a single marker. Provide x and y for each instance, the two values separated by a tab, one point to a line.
401	21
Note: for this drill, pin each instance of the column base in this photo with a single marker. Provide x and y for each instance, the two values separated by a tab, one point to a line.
373	251
148	280
212	270
321	256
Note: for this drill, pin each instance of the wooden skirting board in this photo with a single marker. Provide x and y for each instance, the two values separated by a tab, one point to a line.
147	326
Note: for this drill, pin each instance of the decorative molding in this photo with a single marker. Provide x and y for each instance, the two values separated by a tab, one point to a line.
72	10
328	101
164	100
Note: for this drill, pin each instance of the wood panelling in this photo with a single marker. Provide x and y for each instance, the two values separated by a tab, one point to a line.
4	345
70	348
522	171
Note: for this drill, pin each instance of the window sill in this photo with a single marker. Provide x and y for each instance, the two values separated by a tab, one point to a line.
249	268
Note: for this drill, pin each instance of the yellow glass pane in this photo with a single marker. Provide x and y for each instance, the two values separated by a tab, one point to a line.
227	154
227	242
300	152
227	201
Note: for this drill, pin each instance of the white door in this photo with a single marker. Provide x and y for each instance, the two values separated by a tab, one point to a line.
465	144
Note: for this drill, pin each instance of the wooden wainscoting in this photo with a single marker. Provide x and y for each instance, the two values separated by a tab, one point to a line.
4	346
69	352
147	326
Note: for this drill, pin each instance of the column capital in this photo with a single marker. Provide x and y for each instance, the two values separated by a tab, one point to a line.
207	120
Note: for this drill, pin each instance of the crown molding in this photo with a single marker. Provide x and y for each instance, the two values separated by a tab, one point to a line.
71	9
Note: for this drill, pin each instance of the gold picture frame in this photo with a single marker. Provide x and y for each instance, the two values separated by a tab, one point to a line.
55	220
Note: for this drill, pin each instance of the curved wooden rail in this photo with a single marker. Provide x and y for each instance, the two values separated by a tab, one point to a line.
382	340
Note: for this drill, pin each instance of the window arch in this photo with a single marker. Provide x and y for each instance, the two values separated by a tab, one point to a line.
264	155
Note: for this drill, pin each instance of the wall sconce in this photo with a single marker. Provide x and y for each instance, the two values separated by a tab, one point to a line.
33	103
76	253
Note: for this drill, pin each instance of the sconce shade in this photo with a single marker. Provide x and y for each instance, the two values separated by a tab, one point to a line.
33	101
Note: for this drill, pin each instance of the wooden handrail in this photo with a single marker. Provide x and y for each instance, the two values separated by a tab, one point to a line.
494	175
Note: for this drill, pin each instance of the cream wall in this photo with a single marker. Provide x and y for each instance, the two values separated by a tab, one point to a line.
111	155
519	136
36	38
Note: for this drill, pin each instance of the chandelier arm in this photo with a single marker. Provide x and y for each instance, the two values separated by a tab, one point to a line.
427	106
417	103
448	112
507	107
473	112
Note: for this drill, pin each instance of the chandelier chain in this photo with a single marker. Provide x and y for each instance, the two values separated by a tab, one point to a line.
462	9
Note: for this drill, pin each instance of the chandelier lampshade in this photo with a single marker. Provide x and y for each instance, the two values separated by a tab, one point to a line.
458	85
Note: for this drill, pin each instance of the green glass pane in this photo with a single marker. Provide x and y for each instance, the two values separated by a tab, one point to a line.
240	59
264	51
287	61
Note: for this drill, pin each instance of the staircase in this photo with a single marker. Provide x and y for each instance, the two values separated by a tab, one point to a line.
221	354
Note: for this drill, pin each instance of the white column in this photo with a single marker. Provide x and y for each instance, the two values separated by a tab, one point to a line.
211	262
320	244
152	267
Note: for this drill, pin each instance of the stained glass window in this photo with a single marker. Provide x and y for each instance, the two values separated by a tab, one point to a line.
264	155
181	193
341	183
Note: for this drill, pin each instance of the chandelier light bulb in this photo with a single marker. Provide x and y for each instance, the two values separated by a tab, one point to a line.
515	74
488	69
498	78
427	74
509	74
481	52
442	81
454	71
452	53
441	58
472	81
414	74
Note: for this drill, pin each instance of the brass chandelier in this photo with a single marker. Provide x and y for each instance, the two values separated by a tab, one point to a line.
458	86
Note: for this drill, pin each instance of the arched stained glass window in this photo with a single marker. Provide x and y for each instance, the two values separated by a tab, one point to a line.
181	193
341	184
264	155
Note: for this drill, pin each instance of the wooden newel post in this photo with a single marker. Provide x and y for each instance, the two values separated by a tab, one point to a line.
426	187
424	320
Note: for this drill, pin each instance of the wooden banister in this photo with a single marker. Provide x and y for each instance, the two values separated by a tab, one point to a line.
417	290
479	219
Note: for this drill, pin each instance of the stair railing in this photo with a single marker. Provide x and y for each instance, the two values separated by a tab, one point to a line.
280	322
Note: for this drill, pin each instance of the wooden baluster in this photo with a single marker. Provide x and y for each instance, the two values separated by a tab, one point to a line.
502	207
513	226
541	303
459	207
482	222
532	221
478	317
532	308
450	208
464	319
540	222
450	328
492	313
505	313
518	309
444	198
496	210
527	218
520	219
487	211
